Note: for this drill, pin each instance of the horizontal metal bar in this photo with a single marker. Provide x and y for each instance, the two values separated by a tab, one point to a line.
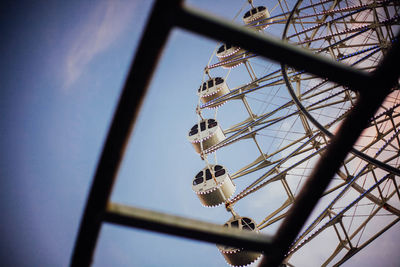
184	227
272	48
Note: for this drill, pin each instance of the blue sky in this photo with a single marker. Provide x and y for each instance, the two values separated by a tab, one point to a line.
63	65
57	100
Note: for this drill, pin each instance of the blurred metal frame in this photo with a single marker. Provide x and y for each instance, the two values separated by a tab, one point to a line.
372	88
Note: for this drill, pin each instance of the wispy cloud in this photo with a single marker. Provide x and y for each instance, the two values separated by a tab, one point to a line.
100	29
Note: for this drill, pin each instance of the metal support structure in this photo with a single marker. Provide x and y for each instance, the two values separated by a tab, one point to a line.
330	161
184	227
164	16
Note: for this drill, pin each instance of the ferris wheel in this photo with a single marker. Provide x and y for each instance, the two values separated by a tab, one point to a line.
276	122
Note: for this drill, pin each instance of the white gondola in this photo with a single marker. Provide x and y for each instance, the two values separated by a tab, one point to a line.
212	89
205	134
239	256
213	186
257	18
230	55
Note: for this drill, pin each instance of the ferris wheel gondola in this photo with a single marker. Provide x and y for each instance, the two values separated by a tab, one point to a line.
240	256
205	134
212	89
257	18
213	185
231	56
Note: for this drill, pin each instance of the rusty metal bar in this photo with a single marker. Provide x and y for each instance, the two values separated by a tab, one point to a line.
184	227
147	54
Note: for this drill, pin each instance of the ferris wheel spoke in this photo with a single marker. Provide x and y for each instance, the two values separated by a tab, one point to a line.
321	24
324	130
365	56
384	146
273	220
244	132
247	169
329	36
258	164
344	9
256	185
344	243
361	227
274	217
332	105
381	202
363	193
319	104
356	250
253	86
240	91
302	241
341	43
234	94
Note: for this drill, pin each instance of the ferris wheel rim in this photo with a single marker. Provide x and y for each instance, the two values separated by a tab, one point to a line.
311	231
302	109
245	130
